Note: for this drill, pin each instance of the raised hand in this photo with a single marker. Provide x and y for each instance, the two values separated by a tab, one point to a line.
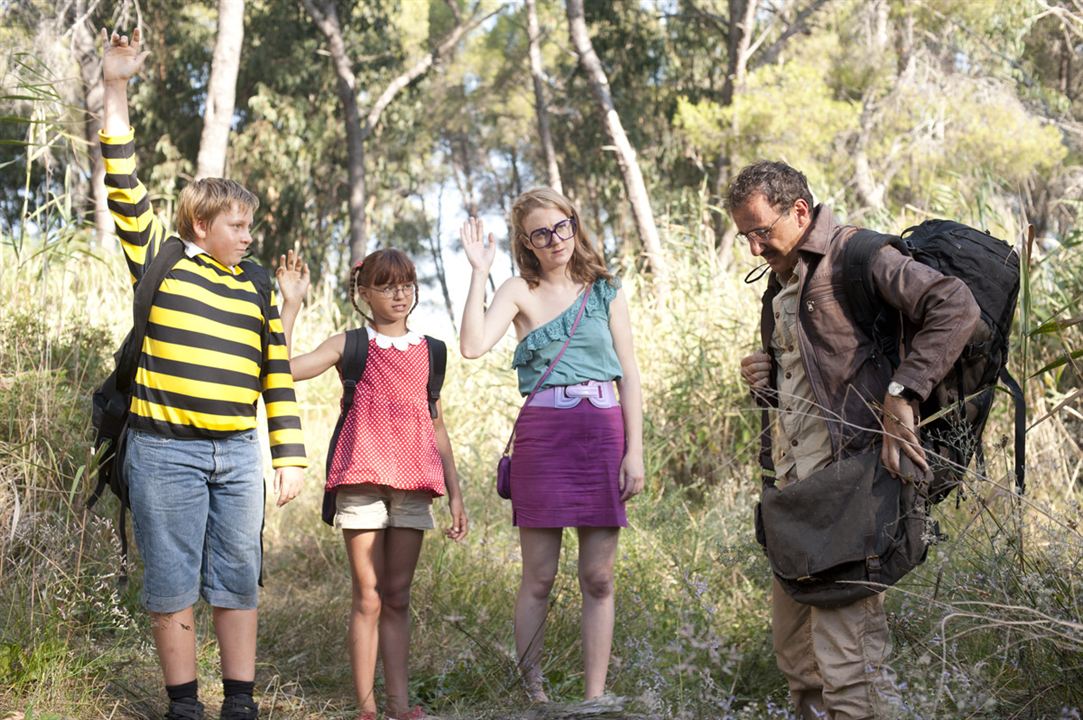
293	278
480	254
122	58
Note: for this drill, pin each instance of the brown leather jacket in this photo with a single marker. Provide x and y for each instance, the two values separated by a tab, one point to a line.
849	377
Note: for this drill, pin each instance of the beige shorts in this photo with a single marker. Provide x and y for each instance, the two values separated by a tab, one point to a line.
375	507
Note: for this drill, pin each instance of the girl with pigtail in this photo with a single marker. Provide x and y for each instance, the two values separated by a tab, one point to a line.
390	457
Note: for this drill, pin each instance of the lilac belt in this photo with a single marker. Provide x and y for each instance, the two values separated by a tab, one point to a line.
599	394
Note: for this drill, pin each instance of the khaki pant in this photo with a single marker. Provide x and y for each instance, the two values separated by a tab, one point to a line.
835	659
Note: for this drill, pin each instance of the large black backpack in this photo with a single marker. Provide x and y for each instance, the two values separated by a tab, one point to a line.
955	413
113	397
355	356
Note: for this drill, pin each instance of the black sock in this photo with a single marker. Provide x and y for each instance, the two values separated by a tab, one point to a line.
184	691
238	687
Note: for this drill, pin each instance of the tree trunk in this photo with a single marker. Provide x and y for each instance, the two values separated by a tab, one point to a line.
221	90
85	43
541	108
326	18
626	154
738	41
436	248
357	131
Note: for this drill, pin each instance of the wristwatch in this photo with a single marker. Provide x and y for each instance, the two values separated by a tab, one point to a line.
897	389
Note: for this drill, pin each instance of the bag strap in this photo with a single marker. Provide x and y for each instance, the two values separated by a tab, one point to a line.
537	385
857	269
861	295
169	252
355	356
437	369
262	282
1020	429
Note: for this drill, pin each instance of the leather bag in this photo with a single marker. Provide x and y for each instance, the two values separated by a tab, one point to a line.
845	532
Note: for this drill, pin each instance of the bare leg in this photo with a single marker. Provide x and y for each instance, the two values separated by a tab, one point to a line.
175	640
401	549
540	549
365	551
597	554
236	631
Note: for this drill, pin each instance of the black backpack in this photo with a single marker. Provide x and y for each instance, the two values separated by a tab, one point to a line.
956	410
354	357
113	397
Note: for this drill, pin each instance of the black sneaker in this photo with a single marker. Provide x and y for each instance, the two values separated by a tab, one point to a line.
239	707
186	709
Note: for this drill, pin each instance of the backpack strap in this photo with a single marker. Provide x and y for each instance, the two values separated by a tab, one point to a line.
1020	429
262	282
169	252
437	370
354	357
870	313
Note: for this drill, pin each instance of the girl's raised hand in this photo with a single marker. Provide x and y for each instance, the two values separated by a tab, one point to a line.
293	278
480	254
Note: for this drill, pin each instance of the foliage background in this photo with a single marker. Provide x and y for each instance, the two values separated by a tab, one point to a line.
896	111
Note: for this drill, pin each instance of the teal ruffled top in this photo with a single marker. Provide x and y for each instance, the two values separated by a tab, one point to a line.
590	354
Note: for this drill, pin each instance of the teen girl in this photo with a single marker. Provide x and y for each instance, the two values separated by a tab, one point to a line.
391	459
578	452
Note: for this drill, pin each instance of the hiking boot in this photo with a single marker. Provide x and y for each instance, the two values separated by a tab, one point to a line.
239	707
186	709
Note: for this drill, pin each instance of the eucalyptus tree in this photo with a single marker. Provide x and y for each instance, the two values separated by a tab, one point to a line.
360	123
221	90
636	189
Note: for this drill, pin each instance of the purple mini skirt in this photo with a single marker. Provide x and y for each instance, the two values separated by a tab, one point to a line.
565	467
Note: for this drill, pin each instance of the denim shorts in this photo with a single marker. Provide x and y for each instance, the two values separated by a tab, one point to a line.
197	512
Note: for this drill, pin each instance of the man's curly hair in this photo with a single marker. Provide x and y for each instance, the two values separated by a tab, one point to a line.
779	183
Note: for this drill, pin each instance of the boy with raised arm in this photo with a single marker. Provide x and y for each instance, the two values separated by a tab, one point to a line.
194	464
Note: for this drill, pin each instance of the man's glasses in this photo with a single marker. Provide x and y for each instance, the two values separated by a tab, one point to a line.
761	234
543	236
390	291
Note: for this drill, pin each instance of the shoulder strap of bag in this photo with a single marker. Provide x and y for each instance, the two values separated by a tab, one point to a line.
167	256
262	281
437	369
355	355
857	269
537	385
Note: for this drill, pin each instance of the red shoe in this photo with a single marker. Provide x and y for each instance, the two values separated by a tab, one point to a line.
367	715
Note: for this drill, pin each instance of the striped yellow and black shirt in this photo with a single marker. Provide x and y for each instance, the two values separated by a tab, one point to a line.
203	367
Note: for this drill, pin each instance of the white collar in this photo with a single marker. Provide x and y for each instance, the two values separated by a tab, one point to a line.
400	342
191	250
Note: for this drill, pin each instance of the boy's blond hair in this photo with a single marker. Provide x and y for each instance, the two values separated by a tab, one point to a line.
205	199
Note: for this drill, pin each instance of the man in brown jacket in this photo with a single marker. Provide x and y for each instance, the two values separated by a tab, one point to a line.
837	396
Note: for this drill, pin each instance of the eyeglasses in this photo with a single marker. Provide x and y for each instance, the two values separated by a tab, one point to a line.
761	234
543	236
390	291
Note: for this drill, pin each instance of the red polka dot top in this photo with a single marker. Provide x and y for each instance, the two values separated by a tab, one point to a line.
388	437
